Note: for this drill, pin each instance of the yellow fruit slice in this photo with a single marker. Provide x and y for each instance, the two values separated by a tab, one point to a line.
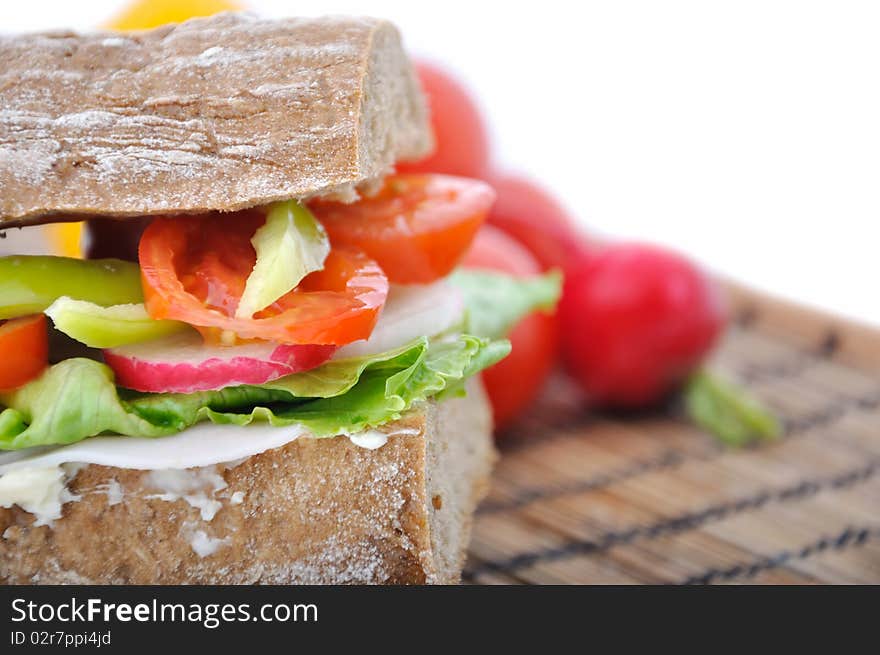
66	238
145	14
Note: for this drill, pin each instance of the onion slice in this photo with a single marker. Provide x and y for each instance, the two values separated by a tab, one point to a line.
411	311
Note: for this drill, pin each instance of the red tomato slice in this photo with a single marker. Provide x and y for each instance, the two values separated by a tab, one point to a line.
417	227
24	350
194	269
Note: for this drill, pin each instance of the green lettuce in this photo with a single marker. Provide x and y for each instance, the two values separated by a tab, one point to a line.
289	246
77	398
496	301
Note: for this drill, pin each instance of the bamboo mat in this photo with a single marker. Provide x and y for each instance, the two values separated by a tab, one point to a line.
584	498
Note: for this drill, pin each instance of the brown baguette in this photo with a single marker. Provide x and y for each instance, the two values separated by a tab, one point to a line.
221	114
313	511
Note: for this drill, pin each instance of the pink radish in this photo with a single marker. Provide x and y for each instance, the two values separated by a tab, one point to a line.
183	363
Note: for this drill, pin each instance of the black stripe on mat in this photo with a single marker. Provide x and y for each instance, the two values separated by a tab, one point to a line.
832	412
848	538
673	459
669	459
532	431
681	523
542	427
467	577
800	360
753	373
524	435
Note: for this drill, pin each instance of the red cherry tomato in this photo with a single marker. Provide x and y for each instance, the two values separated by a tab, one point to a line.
194	269
531	215
461	144
514	382
417	227
24	350
635	321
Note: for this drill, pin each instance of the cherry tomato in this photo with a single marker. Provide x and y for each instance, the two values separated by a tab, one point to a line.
636	320
194	269
24	350
514	382
461	143
531	215
417	227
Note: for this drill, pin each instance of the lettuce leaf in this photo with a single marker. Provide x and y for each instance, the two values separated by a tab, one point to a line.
496	301
290	245
76	398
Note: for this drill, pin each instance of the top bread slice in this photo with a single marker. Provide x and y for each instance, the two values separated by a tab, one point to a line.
214	114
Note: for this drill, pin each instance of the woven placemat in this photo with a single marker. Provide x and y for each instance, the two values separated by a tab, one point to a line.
580	497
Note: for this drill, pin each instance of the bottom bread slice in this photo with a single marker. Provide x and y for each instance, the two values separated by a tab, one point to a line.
315	511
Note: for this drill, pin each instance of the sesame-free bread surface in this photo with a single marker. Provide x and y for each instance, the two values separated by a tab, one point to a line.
218	113
312	511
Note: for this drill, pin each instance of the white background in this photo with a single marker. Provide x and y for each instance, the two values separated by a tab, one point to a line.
745	133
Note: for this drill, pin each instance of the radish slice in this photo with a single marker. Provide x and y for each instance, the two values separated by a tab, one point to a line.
183	363
411	311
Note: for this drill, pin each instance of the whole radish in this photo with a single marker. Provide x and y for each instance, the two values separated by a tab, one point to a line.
637	321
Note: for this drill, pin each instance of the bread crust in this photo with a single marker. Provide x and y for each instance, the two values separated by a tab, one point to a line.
315	511
219	113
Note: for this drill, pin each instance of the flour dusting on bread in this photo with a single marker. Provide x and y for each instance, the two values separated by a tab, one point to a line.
219	113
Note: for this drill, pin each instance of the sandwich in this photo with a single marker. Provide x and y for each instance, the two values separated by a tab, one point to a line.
268	370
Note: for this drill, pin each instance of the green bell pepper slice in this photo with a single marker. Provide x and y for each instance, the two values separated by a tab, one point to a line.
108	327
30	283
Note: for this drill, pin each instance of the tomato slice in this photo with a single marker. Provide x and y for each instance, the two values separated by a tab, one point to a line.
24	350
417	227
194	269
